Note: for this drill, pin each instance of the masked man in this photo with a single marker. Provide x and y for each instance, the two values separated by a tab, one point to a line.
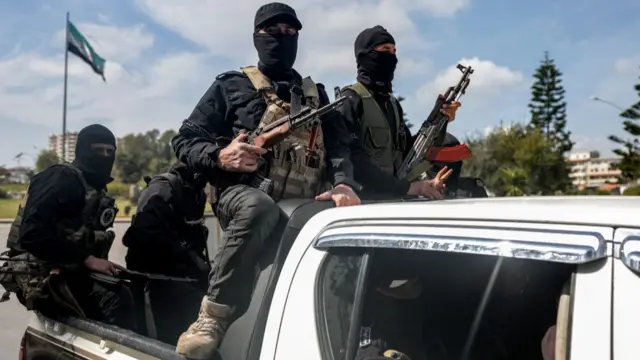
62	235
456	185
244	101
374	118
168	236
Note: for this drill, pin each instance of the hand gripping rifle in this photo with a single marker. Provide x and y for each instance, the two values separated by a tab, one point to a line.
274	133
431	133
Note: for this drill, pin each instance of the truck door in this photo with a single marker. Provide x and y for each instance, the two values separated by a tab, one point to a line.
626	292
526	264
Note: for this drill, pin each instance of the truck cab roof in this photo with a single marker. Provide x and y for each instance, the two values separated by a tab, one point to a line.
588	210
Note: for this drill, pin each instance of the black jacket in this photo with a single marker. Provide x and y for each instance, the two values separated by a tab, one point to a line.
54	195
160	239
232	104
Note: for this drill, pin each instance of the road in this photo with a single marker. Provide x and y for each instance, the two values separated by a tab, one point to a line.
13	316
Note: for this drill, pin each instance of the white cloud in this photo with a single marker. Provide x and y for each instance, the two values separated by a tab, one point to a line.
157	94
488	79
594	143
326	40
630	65
143	93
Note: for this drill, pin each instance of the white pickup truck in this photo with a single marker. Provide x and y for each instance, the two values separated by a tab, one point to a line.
500	270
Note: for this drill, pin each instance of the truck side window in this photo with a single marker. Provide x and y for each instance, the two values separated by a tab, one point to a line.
335	294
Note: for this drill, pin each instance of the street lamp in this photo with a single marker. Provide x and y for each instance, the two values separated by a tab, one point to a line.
595	98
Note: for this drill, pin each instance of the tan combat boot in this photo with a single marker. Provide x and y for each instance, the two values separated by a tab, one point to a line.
203	337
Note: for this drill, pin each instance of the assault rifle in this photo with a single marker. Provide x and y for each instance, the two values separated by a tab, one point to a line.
427	145
274	133
123	274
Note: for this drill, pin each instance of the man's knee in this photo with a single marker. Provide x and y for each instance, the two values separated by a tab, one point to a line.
253	207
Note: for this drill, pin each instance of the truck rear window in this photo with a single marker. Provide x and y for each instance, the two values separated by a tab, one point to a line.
437	305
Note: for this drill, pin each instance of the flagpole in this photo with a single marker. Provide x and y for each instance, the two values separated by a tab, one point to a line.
64	94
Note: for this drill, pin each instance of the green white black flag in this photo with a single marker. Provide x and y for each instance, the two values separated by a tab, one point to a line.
77	44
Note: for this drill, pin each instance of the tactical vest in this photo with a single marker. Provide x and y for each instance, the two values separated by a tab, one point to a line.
385	152
98	215
288	170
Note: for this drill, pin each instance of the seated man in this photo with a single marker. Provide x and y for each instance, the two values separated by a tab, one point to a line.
240	102
457	186
381	138
392	318
63	226
167	236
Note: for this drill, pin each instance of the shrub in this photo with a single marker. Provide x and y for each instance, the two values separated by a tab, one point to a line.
118	190
632	191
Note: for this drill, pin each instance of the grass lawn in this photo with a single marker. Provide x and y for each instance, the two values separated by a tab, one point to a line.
9	208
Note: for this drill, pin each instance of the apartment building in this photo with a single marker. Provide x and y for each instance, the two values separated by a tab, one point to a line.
56	145
589	170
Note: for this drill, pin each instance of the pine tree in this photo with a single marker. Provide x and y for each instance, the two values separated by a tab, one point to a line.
629	151
548	108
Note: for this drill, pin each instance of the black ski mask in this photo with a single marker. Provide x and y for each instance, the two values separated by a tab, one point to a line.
375	68
276	51
95	166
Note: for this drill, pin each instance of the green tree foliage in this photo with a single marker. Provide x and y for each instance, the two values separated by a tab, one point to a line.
516	161
45	159
547	105
629	149
143	154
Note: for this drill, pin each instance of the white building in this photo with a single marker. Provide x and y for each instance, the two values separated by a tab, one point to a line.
589	170
55	145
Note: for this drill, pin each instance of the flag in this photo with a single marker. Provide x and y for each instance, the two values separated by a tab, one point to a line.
78	45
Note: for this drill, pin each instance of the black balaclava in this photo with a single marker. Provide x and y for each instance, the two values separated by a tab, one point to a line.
95	167
277	52
452	181
375	68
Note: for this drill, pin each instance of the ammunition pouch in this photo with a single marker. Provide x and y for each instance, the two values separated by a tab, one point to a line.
26	278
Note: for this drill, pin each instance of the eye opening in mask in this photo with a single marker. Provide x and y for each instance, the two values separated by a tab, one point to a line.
103	149
390	48
278	29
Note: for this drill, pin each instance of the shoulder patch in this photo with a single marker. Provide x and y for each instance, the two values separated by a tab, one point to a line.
479	183
229	74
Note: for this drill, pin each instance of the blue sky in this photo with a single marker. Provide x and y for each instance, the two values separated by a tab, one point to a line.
163	54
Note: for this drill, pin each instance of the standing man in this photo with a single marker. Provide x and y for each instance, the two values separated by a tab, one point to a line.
167	236
372	114
64	224
244	101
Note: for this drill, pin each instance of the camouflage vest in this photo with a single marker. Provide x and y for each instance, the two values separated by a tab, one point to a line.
385	152
28	276
291	176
